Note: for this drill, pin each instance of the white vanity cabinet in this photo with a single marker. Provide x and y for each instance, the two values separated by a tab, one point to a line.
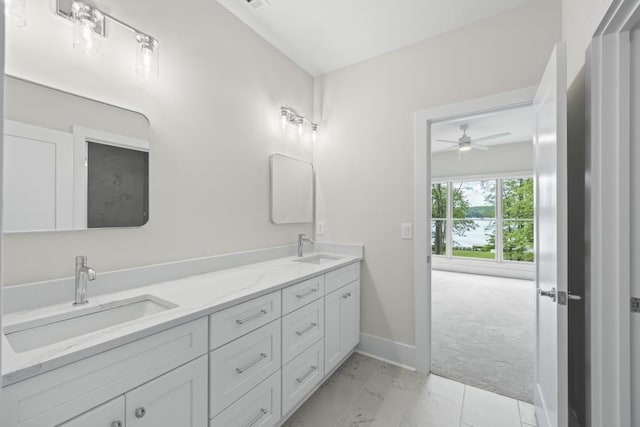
342	323
86	388
251	364
178	398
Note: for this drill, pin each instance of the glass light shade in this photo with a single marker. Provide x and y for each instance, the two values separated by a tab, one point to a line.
16	12
300	126
87	19
314	132
147	56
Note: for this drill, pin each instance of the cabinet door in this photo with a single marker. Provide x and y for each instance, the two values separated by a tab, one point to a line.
349	317
332	353
111	414
178	398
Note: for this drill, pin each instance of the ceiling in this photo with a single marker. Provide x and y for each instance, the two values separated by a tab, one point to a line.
324	35
518	121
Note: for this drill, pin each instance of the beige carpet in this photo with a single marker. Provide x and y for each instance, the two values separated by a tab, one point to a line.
483	332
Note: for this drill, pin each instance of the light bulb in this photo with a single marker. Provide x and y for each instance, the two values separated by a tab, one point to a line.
314	132
300	127
284	117
146	55
16	11
87	19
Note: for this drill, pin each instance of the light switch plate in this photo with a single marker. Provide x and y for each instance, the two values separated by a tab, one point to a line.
320	228
406	231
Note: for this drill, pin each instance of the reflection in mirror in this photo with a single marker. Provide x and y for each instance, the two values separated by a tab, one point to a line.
71	162
292	189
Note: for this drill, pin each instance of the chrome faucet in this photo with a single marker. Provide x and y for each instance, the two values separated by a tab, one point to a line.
84	273
301	241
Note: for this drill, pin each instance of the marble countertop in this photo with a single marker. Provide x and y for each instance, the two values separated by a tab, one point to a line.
195	297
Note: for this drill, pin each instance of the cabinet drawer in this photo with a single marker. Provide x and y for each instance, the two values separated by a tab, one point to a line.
302	328
233	322
106	415
58	395
258	408
343	276
301	375
239	366
302	294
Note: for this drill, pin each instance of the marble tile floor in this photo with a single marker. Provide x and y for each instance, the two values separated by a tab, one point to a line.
370	393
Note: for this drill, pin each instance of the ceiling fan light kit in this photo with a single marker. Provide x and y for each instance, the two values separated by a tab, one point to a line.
466	143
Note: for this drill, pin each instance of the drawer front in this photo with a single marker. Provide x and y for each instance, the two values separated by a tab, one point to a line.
301	375
258	408
301	294
239	366
301	329
343	276
58	395
233	322
106	415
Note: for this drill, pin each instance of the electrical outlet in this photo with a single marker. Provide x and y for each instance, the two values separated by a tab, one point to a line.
320	228
406	231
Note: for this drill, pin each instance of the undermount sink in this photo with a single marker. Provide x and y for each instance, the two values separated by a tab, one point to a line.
318	259
80	321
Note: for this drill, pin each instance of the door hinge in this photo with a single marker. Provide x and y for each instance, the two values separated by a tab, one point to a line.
635	305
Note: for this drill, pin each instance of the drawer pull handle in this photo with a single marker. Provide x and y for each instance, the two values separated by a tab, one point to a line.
140	412
307	375
263	412
253	316
347	295
310	327
250	364
116	424
306	294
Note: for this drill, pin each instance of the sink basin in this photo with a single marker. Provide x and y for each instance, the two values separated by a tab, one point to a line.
318	259
80	321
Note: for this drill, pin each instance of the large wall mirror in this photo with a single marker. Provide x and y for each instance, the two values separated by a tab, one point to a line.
72	162
292	190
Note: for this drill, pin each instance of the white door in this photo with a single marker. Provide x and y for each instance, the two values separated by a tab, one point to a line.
332	354
550	166
178	398
349	317
38	178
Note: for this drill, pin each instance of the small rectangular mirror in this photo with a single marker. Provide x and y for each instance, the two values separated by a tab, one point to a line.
72	162
292	190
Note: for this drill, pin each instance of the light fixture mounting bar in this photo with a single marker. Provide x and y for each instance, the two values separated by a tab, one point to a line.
293	117
63	8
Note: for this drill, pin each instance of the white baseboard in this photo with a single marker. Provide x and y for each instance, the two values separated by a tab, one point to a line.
393	352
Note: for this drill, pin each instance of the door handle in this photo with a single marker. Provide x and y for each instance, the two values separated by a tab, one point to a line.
549	294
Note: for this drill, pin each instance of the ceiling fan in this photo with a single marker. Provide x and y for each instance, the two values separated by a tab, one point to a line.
466	143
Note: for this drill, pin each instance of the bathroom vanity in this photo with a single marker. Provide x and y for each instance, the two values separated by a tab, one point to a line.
244	346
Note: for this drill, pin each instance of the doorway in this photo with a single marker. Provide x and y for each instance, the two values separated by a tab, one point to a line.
482	243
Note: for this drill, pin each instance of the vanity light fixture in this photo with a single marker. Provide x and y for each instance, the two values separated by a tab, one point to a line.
17	11
90	27
289	116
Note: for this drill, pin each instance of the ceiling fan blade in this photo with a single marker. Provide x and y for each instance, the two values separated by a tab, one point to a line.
480	147
450	142
456	148
490	137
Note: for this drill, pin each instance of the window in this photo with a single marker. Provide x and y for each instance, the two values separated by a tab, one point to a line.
439	218
474	219
488	219
517	223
